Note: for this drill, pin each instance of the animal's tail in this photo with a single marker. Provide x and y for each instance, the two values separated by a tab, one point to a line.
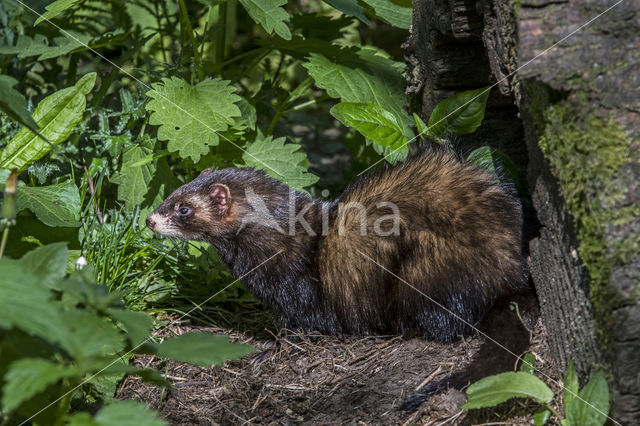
503	326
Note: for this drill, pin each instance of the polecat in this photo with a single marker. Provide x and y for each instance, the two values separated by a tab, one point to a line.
364	263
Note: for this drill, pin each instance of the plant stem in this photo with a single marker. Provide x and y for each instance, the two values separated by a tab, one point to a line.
189	30
221	33
5	236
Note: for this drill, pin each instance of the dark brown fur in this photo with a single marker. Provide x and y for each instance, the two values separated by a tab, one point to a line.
457	252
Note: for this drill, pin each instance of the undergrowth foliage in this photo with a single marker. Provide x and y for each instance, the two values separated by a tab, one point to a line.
108	106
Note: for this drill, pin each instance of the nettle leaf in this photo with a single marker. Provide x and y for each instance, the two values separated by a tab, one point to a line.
56	8
570	384
54	205
14	104
460	114
391	12
57	116
133	179
269	15
372	121
280	161
91	335
137	324
350	8
29	376
38	46
592	405
48	262
200	349
119	413
191	117
493	390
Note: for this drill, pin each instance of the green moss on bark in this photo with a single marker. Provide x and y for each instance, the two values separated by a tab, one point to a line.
586	153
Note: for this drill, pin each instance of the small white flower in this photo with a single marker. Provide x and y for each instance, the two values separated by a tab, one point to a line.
81	263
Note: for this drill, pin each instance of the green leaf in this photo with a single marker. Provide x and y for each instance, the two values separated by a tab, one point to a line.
56	8
350	8
493	390
420	125
280	161
48	262
570	384
592	406
201	349
133	179
57	116
137	324
542	417
528	363
120	413
54	205
391	12
29	376
495	161
14	104
270	15
372	121
461	113
91	335
191	117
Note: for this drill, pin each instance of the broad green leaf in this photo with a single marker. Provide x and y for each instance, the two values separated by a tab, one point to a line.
497	162
280	161
14	104
133	179
528	363
494	390
270	15
137	324
56	8
592	405
57	116
201	349
372	121
30	376
92	335
120	413
54	205
191	117
47	262
70	42
570	384
460	114
350	8
391	12
420	125
542	417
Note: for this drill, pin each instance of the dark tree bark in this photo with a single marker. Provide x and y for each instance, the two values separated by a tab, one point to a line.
585	258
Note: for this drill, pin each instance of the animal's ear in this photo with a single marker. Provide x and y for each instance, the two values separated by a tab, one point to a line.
220	197
205	172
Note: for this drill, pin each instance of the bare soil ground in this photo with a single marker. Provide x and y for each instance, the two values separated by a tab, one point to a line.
296	378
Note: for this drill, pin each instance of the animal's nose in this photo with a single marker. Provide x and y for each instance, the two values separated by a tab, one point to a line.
150	223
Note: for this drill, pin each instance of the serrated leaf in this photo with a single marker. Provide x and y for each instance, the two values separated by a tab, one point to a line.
493	390
38	46
528	363
56	8
592	405
391	12
372	121
350	8
125	413
269	15
570	384
191	117
57	116
54	205
91	335
542	417
27	377
133	179
460	114
201	349
280	161
14	104
137	324
47	262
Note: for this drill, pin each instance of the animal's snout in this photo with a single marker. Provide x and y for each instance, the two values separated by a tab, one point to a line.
150	222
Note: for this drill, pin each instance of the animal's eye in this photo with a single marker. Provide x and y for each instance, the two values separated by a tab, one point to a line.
184	211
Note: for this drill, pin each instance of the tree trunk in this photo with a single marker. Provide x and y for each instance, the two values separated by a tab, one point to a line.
569	118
